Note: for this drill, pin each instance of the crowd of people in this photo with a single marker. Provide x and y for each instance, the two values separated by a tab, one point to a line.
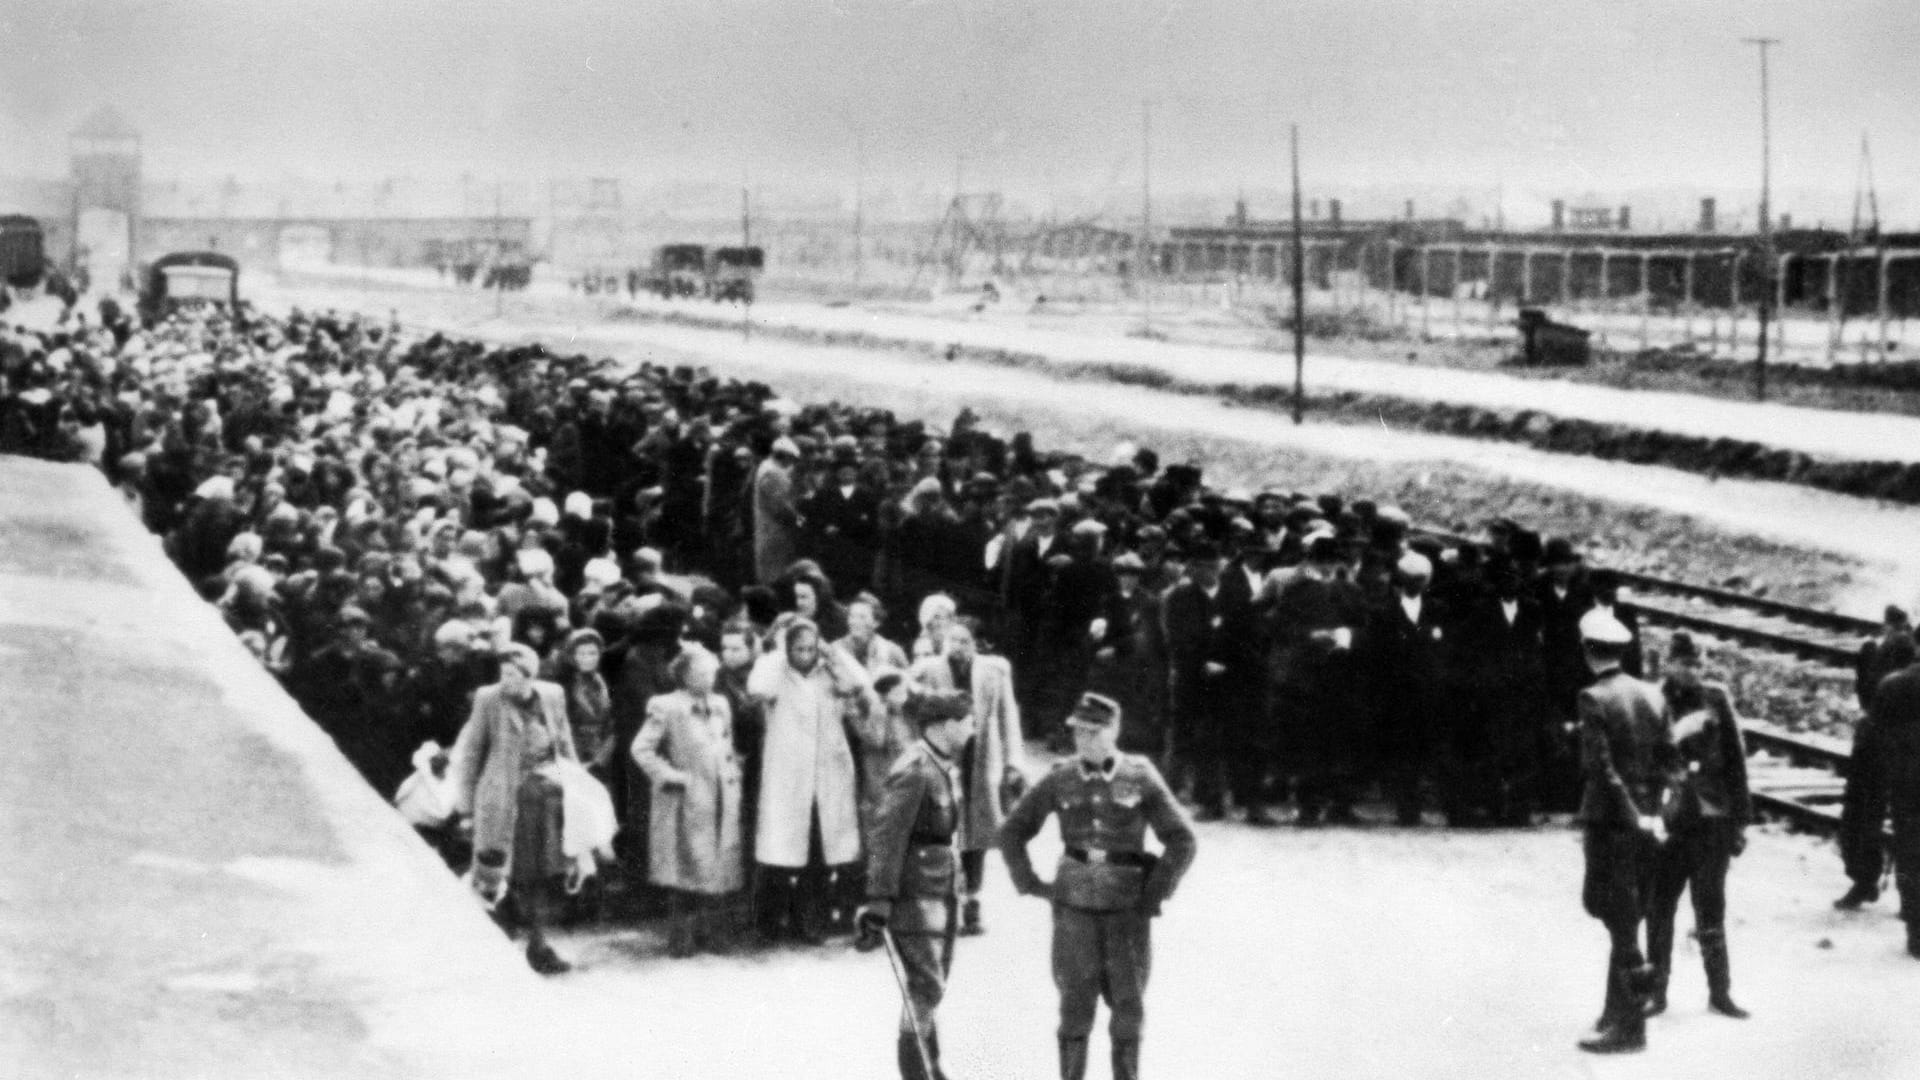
718	603
383	520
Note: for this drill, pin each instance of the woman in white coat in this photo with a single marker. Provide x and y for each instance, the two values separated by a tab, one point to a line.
808	829
694	840
993	761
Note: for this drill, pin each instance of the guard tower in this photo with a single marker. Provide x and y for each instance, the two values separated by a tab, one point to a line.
104	156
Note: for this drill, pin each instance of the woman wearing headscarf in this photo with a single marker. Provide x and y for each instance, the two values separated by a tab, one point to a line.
936	614
589	703
518	725
807	833
686	749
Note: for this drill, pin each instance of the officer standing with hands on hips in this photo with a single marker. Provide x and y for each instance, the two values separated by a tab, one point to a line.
913	867
1108	887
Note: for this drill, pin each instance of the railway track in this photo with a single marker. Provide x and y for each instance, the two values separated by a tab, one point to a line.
1809	633
1796	778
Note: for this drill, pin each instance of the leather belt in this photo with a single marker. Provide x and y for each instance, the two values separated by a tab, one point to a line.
928	840
1097	856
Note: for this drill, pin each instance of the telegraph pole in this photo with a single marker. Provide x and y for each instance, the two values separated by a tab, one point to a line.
859	200
746	241
1767	258
1299	289
1143	259
499	279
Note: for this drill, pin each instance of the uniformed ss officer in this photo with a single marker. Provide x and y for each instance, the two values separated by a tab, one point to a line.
1108	886
912	867
1708	827
1628	762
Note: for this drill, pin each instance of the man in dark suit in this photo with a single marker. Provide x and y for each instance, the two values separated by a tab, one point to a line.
1862	849
843	528
1201	658
1500	732
1317	702
1562	595
1628	764
1895	717
1402	654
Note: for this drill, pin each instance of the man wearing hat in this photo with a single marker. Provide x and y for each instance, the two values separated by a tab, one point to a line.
1862	851
1628	763
776	512
1562	596
1895	718
1107	887
913	866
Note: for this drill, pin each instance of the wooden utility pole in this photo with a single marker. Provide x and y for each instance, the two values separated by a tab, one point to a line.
859	201
1767	258
499	249
1143	260
746	241
1299	289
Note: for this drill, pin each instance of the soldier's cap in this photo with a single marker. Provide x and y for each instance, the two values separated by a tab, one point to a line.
785	447
352	615
1413	564
1089	527
1043	506
925	707
1128	563
1895	614
1601	628
1094	711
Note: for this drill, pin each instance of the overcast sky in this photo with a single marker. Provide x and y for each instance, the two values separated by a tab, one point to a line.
1036	96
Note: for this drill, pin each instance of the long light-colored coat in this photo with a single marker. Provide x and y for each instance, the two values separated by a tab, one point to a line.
996	745
776	521
806	761
485	767
694	838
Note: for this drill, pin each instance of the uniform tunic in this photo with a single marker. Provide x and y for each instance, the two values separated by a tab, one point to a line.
912	869
1107	887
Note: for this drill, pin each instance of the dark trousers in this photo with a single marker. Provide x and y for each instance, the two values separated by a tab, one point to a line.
1101	955
928	960
1863	809
1695	858
1621	863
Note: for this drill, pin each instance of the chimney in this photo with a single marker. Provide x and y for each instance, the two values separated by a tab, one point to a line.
1786	222
1409	209
1559	215
1708	216
1333	210
1240	213
1626	218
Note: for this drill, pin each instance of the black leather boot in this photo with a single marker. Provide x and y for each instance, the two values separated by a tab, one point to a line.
1861	893
933	1052
1713	951
970	925
1073	1059
1126	1059
911	1065
1628	1032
